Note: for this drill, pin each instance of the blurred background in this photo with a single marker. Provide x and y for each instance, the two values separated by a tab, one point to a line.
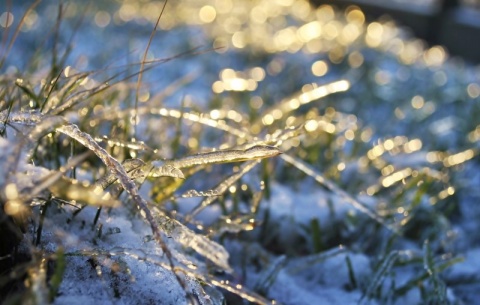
452	23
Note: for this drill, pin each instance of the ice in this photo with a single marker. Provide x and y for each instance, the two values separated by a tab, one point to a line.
195	193
204	246
160	169
224	185
227	155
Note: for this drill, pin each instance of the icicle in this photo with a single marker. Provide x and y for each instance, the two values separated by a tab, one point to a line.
204	246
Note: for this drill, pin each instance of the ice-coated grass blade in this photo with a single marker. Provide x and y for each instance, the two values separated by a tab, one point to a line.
132	166
268	276
226	156
195	193
201	244
160	169
380	274
223	186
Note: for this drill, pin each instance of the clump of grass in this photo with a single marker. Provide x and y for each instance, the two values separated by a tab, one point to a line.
79	141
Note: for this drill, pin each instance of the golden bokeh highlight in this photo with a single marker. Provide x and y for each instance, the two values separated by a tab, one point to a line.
207	14
319	68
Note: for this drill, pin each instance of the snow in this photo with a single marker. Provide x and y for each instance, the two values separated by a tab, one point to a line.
111	279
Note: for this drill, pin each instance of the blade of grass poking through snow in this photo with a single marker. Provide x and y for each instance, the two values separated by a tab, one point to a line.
174	113
80	96
133	145
223	186
59	270
195	193
310	171
418	280
380	274
268	276
439	288
240	291
129	186
297	265
233	224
